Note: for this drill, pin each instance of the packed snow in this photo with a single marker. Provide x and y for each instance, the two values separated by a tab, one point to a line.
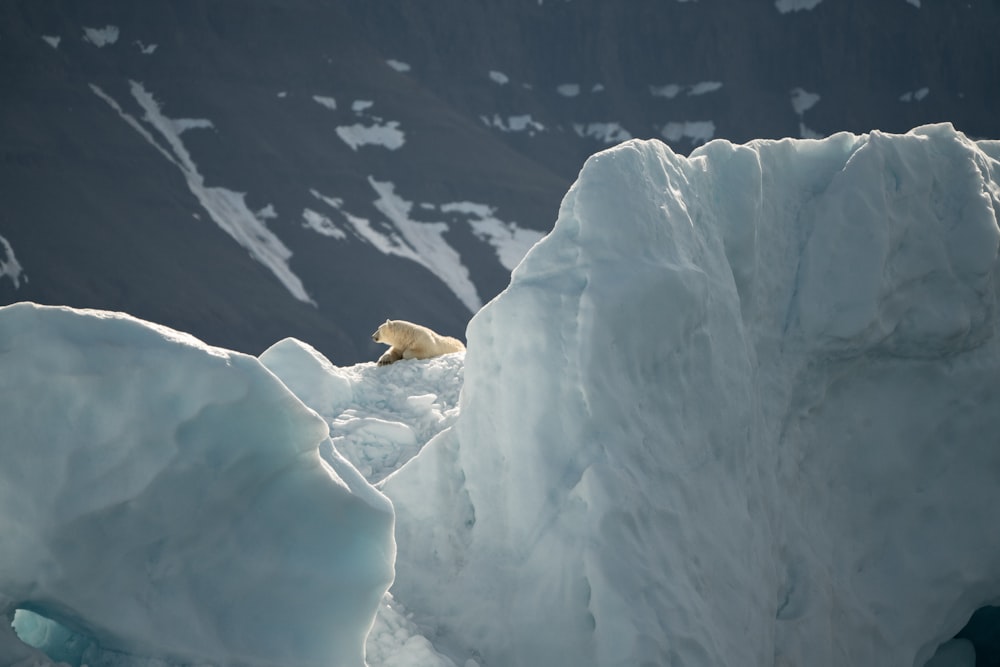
228	209
737	408
9	266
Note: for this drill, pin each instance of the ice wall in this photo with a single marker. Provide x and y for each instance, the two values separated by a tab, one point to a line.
736	409
166	499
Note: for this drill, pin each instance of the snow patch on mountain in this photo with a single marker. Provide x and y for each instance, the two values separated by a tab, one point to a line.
326	101
321	224
568	89
9	266
669	90
510	241
915	95
101	37
802	101
425	243
360	106
228	209
704	87
516	123
697	132
401	236
786	6
606	133
388	135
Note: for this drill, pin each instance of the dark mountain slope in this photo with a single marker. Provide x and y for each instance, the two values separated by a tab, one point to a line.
247	171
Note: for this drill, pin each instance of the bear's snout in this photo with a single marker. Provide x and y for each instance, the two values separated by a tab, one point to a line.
375	336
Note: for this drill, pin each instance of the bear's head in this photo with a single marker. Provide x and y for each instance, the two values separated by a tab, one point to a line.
382	331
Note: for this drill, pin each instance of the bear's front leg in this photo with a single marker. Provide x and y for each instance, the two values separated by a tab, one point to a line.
389	357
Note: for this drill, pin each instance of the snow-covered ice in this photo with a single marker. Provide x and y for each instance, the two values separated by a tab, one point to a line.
167	499
736	409
379	416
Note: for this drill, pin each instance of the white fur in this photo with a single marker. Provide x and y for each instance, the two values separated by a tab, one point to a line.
412	341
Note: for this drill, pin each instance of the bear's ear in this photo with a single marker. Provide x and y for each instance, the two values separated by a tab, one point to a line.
387	321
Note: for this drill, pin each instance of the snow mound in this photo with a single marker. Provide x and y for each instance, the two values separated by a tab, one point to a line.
379	416
166	501
736	409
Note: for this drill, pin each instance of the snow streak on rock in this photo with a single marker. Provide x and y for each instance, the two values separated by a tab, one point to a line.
9	266
228	209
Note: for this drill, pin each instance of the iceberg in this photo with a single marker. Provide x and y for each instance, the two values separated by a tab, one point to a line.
163	499
737	409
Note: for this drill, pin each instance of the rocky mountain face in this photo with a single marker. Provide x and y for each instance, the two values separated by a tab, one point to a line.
247	171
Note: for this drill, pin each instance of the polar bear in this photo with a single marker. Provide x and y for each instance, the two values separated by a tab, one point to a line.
412	341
